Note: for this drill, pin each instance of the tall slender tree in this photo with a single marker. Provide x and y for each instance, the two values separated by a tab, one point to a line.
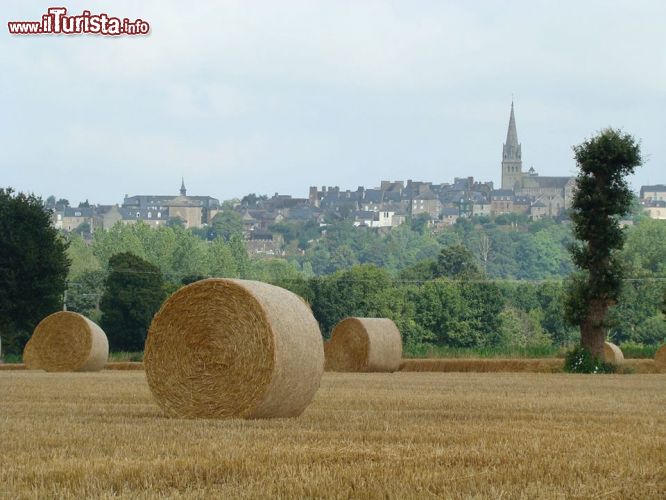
602	196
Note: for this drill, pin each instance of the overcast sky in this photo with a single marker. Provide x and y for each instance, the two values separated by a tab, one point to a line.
275	96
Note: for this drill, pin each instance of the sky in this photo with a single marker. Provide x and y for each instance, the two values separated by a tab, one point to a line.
275	96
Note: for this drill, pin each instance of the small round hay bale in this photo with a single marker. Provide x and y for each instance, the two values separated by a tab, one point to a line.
364	345
613	354
66	342
29	356
221	348
660	359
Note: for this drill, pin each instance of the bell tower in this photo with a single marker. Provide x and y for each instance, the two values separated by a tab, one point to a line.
512	163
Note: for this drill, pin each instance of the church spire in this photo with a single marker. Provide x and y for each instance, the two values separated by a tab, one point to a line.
512	164
183	191
511	133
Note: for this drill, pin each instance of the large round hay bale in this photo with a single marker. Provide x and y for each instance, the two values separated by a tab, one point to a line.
364	345
223	348
66	342
660	359
612	354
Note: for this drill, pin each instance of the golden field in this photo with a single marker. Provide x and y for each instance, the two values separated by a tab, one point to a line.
409	435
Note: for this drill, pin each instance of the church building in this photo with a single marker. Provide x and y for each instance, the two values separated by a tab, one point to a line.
548	195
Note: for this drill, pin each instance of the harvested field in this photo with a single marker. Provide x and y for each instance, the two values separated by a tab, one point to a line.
469	365
516	365
370	435
482	365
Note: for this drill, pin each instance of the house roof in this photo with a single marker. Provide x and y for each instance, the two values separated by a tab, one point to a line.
426	195
78	212
550	182
655	188
501	193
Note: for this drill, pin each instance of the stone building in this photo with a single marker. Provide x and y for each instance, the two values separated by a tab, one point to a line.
69	218
194	211
555	193
653	199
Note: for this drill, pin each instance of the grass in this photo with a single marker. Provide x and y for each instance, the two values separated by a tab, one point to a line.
126	356
11	358
639	351
491	352
365	435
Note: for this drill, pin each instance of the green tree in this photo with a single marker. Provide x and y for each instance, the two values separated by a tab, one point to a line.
134	292
227	224
221	263
33	267
601	197
458	263
85	292
644	249
82	229
81	257
359	291
177	222
520	329
419	223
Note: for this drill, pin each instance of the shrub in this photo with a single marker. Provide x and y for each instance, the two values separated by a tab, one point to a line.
580	360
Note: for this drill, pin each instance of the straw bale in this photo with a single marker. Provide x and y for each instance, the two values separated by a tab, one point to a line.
613	354
66	342
364	345
660	359
222	348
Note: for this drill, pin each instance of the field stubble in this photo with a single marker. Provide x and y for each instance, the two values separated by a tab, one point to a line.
452	435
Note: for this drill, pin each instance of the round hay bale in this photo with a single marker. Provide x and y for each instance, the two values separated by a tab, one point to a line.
29	356
66	342
222	348
612	354
660	359
364	345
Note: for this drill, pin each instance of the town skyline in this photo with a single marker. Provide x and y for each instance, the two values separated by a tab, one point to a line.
513	175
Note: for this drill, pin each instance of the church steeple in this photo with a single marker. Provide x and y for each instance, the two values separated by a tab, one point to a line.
512	164
511	133
183	191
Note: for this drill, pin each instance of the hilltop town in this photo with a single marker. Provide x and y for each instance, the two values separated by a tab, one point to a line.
388	205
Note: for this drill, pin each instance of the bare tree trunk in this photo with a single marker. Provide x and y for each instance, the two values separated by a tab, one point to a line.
484	249
593	330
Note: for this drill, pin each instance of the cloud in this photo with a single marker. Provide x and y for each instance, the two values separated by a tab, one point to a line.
255	94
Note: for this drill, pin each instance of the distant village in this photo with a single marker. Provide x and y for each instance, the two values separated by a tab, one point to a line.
388	205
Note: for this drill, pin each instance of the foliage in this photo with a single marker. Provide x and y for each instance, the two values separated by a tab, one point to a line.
399	278
541	351
227	224
33	267
637	350
81	257
126	356
580	360
360	291
134	292
419	223
522	330
601	197
644	248
458	263
84	294
458	314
